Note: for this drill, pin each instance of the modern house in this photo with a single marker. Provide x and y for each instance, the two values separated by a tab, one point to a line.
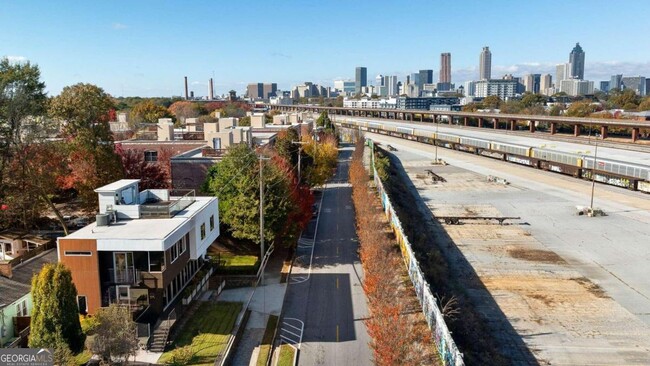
142	251
16	298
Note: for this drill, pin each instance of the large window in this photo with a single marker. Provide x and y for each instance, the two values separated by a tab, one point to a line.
211	222
156	261
151	156
202	231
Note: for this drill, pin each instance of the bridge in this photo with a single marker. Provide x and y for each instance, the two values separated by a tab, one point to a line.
498	121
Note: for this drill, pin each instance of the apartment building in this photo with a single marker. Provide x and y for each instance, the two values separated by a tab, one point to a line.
143	250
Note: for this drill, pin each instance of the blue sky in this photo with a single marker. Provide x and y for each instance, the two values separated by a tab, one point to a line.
145	47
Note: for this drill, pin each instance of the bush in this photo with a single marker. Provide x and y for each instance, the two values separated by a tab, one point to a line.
181	356
88	324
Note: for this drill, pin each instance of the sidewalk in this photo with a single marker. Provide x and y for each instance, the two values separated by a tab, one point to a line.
267	300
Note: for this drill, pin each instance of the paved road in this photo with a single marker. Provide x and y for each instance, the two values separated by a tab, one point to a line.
325	289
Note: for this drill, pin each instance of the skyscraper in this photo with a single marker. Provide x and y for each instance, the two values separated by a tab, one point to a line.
546	83
426	77
361	79
562	72
577	60
485	64
445	68
615	82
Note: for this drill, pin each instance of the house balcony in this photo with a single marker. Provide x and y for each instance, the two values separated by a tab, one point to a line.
154	206
126	276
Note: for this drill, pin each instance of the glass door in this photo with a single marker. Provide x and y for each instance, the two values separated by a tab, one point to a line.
123	267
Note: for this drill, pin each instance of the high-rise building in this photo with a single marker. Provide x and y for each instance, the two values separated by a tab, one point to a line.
390	83
379	80
485	64
502	88
360	79
269	90
445	68
345	86
604	86
470	88
546	83
255	91
528	83
615	82
575	87
577	61
562	72
426	77
636	83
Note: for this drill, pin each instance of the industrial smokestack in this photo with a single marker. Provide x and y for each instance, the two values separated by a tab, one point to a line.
186	94
211	91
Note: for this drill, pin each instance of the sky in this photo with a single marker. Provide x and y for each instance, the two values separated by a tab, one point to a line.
145	47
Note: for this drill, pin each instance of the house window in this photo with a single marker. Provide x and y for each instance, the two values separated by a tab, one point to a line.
183	245
151	156
82	304
211	222
156	261
174	252
202	231
21	308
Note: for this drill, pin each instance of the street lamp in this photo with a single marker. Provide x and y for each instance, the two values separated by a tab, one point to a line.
593	171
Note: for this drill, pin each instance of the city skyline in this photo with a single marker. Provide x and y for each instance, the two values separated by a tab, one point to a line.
135	49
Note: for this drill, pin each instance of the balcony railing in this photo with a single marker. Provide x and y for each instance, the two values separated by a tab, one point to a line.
124	276
167	209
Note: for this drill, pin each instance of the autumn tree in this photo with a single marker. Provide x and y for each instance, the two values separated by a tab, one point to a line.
322	161
55	311
184	109
151	174
22	105
83	109
581	109
492	102
149	112
644	105
115	336
626	99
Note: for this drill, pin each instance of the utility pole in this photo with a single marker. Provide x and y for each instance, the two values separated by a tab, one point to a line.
436	140
299	143
593	171
262	252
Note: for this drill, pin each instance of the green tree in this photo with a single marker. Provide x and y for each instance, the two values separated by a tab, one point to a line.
285	147
84	111
149	112
235	180
324	121
644	105
530	99
244	121
115	336
581	109
55	311
511	107
23	103
492	102
626	99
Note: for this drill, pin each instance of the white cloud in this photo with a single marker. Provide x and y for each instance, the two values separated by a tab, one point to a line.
119	26
15	59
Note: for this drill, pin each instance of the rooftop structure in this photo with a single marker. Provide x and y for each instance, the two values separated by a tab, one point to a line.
143	249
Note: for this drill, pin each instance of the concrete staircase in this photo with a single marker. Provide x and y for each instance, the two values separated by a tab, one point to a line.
161	334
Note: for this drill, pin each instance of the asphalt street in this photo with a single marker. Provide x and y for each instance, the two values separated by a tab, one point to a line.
325	290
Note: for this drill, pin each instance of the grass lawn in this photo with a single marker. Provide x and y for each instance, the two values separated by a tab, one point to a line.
265	347
207	332
286	355
238	263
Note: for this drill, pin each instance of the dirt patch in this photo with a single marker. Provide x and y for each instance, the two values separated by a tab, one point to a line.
543	298
593	288
536	255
